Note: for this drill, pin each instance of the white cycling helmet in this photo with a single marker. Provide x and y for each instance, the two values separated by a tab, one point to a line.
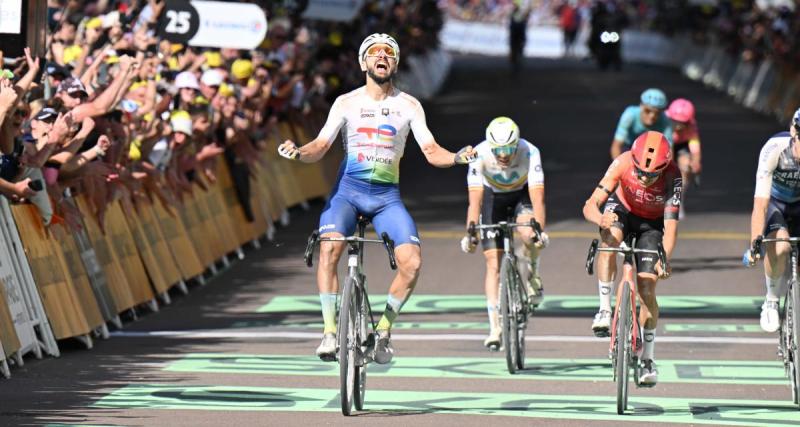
376	38
502	132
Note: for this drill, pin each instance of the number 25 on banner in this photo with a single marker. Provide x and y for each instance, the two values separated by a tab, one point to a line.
213	24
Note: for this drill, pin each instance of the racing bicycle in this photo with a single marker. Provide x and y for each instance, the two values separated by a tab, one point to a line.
514	306
355	335
625	347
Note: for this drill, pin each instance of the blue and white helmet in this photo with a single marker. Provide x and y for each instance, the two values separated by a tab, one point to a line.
654	98
377	38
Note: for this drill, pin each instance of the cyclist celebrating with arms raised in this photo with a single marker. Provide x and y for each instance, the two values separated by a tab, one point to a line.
505	179
776	211
640	195
376	119
637	119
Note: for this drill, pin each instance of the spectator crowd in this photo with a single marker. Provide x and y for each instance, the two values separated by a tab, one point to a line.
111	110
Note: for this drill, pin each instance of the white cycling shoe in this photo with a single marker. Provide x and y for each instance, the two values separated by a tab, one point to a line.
327	348
492	342
648	374
383	347
770	319
601	323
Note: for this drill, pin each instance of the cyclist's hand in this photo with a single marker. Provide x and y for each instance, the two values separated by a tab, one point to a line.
662	272
608	219
748	260
289	150
468	244
544	240
696	167
465	155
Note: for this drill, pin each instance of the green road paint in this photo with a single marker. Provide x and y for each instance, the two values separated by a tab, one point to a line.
577	407
288	323
566	234
553	304
669	371
711	327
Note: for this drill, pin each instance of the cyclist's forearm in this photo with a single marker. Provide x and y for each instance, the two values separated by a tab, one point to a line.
670	236
759	216
313	151
438	156
591	209
537	197
474	209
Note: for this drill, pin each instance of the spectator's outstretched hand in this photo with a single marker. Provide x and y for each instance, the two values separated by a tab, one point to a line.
8	96
33	64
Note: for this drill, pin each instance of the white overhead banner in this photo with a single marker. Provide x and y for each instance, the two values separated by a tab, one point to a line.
213	24
10	16
333	10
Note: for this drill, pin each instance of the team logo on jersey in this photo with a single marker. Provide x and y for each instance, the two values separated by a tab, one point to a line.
510	180
366	113
382	132
385	111
372	158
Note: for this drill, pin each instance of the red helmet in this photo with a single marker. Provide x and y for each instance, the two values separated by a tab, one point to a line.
651	152
681	110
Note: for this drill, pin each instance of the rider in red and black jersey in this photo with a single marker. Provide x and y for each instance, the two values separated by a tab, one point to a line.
640	196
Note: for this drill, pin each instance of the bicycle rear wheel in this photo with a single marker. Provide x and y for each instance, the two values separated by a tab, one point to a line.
347	345
621	352
361	370
793	321
509	318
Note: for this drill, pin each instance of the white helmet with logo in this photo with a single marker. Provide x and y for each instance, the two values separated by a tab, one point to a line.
376	38
502	132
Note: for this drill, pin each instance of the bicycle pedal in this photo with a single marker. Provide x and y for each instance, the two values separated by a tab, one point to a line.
494	348
602	333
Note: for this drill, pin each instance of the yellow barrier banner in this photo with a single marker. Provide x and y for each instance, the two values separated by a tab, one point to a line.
197	230
58	296
124	250
70	257
245	231
219	215
212	236
178	242
8	335
158	245
115	277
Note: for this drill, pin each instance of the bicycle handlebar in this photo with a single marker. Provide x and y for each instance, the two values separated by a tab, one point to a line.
315	238
594	248
473	228
757	245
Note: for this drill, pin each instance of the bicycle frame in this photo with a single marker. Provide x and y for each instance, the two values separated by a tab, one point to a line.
629	276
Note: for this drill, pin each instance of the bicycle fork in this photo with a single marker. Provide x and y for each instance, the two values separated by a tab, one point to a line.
636	343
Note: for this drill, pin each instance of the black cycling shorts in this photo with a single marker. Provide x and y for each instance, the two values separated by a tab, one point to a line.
498	207
647	232
782	215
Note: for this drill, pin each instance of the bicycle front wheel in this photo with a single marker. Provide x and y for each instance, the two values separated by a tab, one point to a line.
509	318
361	369
621	353
519	309
347	345
793	321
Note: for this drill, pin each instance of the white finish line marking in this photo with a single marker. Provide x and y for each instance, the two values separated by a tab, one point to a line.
220	334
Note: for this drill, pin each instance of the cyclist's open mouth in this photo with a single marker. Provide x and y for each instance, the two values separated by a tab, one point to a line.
382	66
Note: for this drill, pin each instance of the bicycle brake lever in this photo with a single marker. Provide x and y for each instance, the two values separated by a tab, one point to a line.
389	244
308	257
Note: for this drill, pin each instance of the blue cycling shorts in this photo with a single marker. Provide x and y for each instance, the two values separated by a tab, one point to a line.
379	202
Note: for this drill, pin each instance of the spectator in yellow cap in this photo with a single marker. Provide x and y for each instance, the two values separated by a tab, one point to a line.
241	70
213	59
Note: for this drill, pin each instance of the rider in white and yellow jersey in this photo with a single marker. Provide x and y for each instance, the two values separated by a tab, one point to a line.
507	179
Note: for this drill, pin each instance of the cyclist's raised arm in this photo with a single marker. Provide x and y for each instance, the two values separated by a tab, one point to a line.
316	149
607	186
767	162
435	154
475	190
536	185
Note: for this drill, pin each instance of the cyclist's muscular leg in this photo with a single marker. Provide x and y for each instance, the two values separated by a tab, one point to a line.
409	261
328	280
492	285
606	270
648	312
775	263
